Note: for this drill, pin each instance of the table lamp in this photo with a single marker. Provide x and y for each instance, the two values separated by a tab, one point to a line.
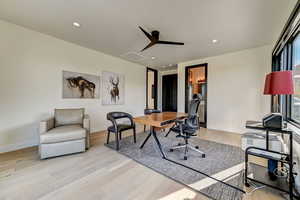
277	83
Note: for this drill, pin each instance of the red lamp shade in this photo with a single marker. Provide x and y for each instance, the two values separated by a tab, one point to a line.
280	82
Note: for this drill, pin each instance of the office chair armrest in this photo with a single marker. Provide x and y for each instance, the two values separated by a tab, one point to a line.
180	121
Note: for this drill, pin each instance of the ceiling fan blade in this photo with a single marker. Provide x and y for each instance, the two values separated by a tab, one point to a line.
169	42
147	34
148	46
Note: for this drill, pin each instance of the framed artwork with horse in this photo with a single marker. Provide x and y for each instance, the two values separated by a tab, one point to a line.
80	86
113	88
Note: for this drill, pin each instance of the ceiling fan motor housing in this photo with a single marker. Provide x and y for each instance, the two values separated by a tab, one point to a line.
155	34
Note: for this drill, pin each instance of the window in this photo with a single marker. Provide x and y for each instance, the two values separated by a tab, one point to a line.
286	56
295	104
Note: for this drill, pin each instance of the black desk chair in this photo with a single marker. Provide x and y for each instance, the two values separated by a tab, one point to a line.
119	128
187	128
149	112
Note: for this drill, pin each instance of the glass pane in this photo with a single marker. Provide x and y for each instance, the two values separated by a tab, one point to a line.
295	106
197	86
151	90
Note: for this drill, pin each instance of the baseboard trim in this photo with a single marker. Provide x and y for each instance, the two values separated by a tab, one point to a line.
25	144
17	146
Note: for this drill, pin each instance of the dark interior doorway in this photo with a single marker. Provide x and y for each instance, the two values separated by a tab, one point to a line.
196	83
169	92
151	88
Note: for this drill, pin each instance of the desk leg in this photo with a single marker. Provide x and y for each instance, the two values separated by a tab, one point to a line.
157	142
145	141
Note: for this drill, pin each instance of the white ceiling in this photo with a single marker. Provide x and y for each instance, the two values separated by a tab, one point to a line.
111	26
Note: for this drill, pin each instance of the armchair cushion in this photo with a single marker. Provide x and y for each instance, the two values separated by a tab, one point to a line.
63	134
121	127
68	117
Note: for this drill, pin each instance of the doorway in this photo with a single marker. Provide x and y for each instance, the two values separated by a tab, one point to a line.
169	92
151	88
196	84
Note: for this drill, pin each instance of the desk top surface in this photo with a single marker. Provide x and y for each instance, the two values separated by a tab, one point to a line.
159	119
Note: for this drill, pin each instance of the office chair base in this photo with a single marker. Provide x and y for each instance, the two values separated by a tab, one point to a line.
186	147
247	184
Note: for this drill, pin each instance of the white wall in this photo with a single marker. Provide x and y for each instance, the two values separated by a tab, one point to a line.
31	66
235	87
159	83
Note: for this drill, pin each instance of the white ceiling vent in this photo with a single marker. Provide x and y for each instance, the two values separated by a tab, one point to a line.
133	56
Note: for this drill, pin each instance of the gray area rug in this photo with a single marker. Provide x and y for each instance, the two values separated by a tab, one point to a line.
219	158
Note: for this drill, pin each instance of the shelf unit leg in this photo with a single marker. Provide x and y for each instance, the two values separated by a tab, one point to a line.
246	170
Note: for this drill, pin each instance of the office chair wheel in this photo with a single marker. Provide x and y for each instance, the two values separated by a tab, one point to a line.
185	158
203	155
247	184
197	147
171	150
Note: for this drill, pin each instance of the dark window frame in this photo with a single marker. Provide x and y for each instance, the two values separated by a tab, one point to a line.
282	59
155	86
205	65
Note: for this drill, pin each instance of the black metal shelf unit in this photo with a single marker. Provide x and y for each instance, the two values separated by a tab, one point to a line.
259	171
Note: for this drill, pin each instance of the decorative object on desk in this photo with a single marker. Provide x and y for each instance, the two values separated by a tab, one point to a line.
78	85
220	158
113	88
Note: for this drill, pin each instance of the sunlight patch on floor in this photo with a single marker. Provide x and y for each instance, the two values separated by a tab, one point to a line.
185	194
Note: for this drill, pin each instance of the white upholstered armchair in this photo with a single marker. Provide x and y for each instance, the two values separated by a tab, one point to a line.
68	132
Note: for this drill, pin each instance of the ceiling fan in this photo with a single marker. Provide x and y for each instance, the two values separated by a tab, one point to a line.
154	39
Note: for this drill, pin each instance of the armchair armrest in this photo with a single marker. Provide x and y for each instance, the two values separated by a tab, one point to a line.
87	127
130	117
46	125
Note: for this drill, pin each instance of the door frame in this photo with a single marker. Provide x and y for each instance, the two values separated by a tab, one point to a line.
155	86
186	89
162	90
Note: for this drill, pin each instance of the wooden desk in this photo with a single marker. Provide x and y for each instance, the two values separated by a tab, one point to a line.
158	121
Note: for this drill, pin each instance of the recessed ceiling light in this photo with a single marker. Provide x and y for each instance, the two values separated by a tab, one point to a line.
76	24
153	58
214	41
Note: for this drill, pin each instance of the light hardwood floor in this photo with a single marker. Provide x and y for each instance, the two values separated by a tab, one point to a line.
100	173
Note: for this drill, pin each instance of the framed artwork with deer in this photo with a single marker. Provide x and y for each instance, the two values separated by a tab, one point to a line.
113	88
80	86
